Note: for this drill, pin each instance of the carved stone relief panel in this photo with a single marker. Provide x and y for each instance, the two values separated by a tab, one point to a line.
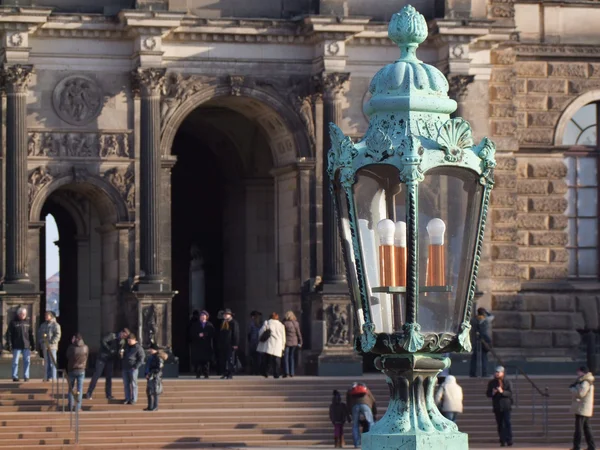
77	99
122	179
38	178
79	145
338	317
154	324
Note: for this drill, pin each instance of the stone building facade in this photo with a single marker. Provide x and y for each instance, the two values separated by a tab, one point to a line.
181	146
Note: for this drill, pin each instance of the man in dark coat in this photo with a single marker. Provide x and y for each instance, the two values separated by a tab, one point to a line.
499	389
19	340
229	338
111	347
481	338
202	334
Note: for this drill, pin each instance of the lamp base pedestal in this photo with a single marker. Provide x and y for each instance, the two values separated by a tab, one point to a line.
437	441
412	420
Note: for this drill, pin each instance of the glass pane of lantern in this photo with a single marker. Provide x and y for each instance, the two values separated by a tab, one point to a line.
342	206
449	206
378	196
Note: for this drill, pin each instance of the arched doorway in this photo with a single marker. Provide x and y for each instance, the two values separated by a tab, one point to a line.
88	261
222	218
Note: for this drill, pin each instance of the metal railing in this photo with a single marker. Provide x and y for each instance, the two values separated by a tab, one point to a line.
545	394
72	388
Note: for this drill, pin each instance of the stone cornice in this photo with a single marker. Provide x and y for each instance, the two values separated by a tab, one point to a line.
155	23
558	51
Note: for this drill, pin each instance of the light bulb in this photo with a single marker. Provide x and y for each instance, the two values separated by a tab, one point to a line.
436	229
386	229
400	234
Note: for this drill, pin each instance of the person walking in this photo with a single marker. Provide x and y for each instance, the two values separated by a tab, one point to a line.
499	389
202	334
77	357
19	340
481	337
272	345
293	341
583	407
50	332
153	373
111	347
133	359
449	398
339	415
361	402
228	341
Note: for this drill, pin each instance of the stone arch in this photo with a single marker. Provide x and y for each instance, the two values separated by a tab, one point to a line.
569	112
283	128
106	199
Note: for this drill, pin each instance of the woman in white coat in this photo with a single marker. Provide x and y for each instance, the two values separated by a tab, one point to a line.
449	398
272	345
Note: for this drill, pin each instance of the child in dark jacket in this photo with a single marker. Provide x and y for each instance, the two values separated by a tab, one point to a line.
154	365
338	414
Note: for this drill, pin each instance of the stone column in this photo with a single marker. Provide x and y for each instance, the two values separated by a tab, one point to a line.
149	83
334	272
16	81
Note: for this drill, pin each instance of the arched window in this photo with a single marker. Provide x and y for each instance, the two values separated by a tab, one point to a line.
581	135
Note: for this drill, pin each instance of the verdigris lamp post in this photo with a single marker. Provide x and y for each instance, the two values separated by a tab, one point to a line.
412	199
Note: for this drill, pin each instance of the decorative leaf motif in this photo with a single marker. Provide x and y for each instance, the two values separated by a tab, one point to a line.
454	137
486	151
379	145
414	340
427	128
411	171
464	338
341	155
368	338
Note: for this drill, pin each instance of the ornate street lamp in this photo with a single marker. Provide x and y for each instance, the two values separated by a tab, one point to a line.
412	199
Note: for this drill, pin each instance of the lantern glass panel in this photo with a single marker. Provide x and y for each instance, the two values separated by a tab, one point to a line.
347	247
380	200
449	207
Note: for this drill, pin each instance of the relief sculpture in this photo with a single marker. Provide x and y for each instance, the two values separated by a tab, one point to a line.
338	324
77	100
38	178
178	88
79	145
123	180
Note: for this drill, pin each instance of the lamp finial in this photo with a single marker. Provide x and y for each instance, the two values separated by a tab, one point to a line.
408	29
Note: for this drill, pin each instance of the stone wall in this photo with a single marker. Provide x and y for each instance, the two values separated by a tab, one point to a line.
528	221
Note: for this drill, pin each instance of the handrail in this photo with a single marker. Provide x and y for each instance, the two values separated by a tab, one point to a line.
545	393
73	389
521	371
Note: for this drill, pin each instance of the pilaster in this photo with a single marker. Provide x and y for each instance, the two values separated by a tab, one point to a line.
334	273
16	80
149	83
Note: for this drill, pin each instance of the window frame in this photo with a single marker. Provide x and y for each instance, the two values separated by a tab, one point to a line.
577	151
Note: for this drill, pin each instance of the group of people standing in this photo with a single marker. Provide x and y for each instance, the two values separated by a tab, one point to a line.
113	347
268	343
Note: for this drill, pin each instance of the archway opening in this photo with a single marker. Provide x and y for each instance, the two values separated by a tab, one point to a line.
86	259
222	219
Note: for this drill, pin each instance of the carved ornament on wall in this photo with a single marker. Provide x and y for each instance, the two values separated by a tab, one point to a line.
15	39
177	89
236	82
77	99
333	48
37	179
122	180
338	318
81	145
458	85
149	43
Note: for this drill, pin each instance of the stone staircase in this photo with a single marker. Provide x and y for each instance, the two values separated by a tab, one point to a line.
247	412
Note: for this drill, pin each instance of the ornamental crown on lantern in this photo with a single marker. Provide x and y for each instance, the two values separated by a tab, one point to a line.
412	198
